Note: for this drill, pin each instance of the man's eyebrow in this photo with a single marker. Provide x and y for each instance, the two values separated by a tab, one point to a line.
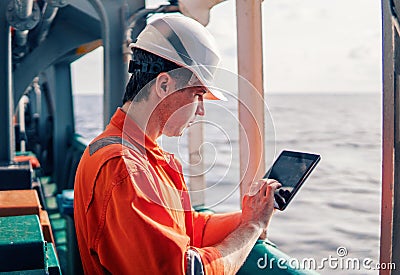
204	90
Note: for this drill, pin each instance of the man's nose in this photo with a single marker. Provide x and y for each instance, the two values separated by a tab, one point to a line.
200	108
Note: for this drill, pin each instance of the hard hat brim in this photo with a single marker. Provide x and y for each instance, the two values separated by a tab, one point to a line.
213	94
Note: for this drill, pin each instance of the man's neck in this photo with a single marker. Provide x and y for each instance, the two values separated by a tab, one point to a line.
142	114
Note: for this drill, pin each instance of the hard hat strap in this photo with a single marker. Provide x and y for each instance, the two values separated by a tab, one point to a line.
145	67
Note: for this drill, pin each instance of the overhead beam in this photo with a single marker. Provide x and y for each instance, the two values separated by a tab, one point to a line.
85	7
62	40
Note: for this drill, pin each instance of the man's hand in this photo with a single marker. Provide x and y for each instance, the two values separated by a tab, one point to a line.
258	204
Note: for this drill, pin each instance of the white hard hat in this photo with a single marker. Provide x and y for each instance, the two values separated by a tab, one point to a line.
185	42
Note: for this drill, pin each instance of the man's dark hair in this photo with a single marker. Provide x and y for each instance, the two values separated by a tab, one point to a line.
136	89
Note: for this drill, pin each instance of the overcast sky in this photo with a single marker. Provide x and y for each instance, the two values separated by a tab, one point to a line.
309	46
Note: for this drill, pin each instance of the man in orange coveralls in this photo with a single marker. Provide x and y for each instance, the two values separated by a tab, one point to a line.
132	209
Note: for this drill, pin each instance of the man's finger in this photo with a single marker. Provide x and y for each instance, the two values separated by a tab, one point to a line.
261	186
269	181
271	187
255	187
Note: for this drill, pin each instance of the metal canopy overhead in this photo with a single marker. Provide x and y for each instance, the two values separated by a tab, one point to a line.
66	30
63	38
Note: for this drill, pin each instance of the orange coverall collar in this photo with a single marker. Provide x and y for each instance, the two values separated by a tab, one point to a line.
132	132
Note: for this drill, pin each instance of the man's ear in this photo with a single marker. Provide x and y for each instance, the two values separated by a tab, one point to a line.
163	84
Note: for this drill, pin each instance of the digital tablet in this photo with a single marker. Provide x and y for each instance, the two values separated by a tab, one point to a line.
291	169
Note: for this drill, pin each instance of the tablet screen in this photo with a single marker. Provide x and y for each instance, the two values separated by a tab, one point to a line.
291	169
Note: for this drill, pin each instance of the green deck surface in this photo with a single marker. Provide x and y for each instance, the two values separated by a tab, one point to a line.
53	266
22	246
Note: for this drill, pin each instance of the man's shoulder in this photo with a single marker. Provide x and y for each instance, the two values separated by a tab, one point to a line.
122	153
118	164
108	144
114	149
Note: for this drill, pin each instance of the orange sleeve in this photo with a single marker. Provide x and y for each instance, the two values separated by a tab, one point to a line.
212	260
139	236
210	256
219	226
200	220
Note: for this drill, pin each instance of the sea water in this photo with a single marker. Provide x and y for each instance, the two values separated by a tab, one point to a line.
337	210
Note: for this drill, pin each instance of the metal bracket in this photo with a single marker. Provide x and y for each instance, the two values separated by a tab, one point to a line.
22	24
57	3
395	19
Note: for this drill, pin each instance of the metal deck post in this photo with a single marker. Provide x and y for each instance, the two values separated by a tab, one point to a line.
112	17
6	99
59	82
251	108
390	241
115	81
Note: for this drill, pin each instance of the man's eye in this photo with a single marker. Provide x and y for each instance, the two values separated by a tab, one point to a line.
201	93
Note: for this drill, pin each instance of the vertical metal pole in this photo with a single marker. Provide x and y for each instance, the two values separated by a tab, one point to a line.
114	85
105	34
251	108
395	248
112	19
59	83
389	134
197	182
38	96
395	245
6	98
21	118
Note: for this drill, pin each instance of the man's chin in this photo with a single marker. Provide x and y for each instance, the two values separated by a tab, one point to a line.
174	134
